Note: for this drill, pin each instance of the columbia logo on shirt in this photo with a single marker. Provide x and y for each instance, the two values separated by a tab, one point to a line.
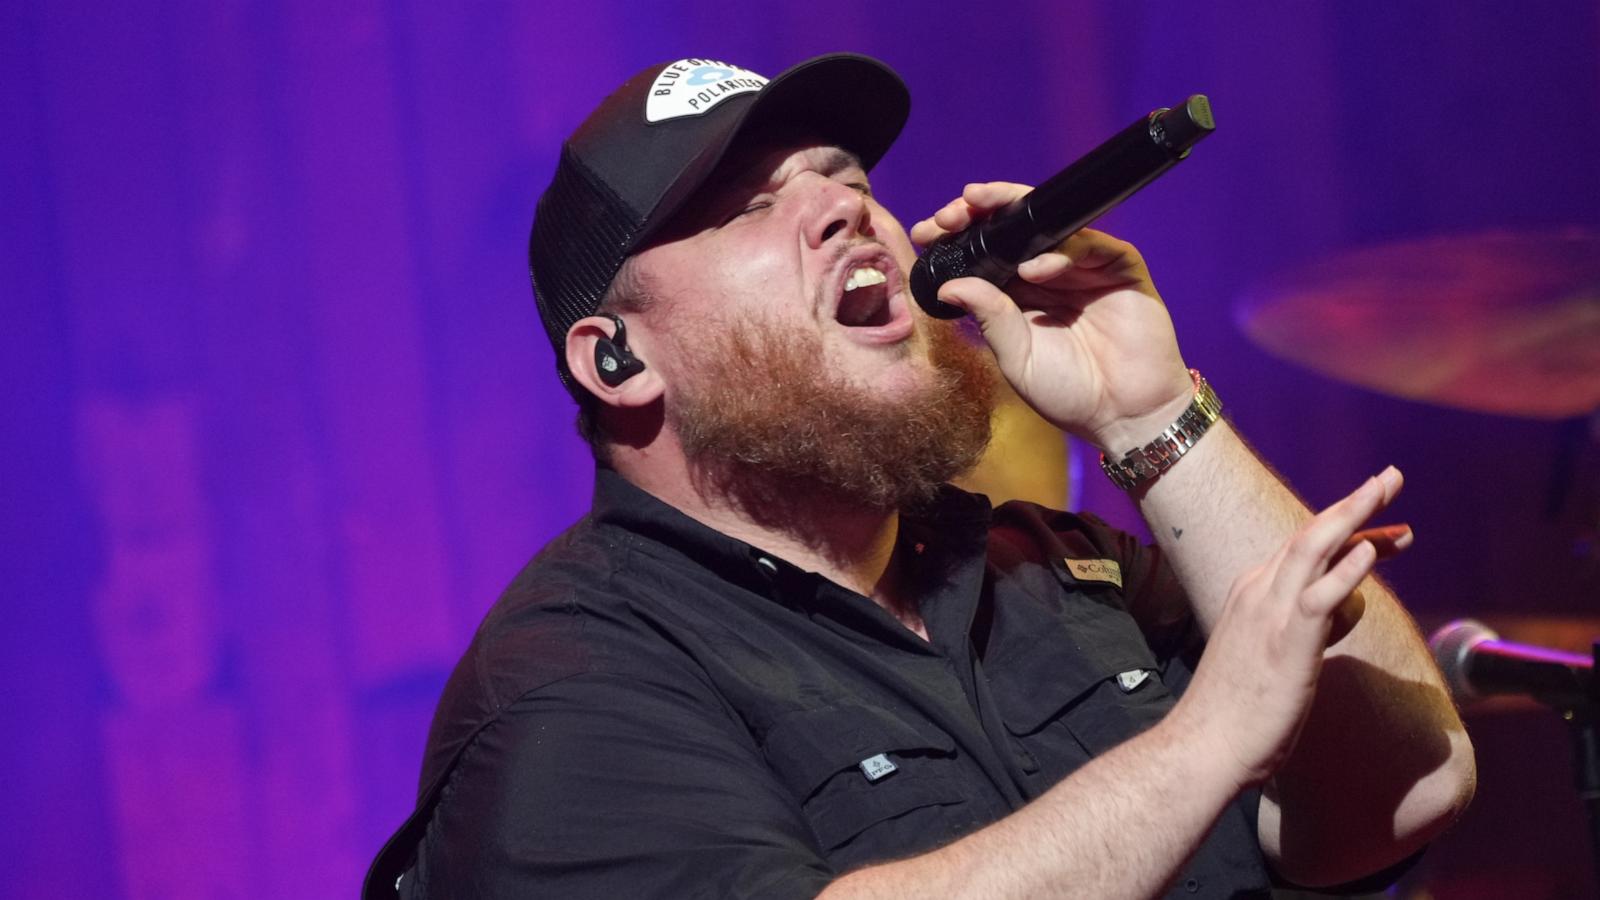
1108	571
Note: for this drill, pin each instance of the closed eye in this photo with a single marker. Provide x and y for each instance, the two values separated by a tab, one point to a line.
753	207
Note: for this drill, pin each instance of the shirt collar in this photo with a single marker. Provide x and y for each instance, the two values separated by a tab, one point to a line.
949	535
620	502
653	522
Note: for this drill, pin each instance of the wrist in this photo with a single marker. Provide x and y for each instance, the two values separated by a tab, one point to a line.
1217	761
1144	463
1124	435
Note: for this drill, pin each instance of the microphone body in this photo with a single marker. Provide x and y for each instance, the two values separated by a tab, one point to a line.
1072	198
1476	663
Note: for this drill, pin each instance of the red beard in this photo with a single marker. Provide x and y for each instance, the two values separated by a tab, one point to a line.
767	427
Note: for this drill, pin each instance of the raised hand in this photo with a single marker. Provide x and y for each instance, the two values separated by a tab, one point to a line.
1256	679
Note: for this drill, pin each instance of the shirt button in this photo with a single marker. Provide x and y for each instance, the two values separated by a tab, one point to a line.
1192	885
767	565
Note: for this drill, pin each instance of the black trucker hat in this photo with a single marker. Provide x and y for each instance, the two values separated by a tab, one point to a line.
642	154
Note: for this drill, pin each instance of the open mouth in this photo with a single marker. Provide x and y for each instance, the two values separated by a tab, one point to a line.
872	305
865	302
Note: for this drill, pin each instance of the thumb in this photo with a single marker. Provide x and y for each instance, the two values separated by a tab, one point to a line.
1002	322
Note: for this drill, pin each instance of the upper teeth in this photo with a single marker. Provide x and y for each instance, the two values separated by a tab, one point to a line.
863	277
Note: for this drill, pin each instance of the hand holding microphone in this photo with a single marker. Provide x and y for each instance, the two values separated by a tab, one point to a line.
1080	333
1077	195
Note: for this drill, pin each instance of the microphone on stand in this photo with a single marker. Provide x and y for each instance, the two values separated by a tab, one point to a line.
1072	198
1476	663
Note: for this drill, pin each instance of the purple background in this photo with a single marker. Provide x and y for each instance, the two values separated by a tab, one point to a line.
279	421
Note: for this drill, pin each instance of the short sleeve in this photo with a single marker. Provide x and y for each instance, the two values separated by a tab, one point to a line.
607	785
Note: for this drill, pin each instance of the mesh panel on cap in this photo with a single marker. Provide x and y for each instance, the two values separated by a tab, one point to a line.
582	232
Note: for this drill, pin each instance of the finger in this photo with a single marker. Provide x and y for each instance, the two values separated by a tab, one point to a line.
976	201
1004	326
949	218
925	232
1338	522
1091	249
1393	480
1092	259
1346	616
1323	595
1044	268
1311	549
953	216
991	195
1062	275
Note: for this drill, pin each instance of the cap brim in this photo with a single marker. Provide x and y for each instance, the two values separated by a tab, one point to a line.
846	99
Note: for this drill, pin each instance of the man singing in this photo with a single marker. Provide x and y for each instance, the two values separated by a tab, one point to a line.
781	657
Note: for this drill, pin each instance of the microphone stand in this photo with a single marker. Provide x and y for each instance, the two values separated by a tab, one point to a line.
1581	710
1583	714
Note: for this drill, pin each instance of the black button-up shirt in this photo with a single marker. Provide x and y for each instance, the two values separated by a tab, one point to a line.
654	709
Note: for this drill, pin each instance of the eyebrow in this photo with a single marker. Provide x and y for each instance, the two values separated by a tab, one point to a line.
838	159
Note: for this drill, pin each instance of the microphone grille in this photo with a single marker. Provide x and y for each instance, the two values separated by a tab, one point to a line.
1452	649
949	259
941	262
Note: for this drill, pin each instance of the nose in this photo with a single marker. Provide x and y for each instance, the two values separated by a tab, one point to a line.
839	210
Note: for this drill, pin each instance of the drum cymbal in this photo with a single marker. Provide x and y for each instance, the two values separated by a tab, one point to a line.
1504	323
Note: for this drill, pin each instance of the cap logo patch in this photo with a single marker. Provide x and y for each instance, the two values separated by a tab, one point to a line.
691	87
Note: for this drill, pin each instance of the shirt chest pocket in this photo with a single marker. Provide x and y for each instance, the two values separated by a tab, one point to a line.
865	777
1080	688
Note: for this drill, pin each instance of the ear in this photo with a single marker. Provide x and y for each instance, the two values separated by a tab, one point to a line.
642	389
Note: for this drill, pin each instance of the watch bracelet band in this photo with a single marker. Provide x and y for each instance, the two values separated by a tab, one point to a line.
1145	464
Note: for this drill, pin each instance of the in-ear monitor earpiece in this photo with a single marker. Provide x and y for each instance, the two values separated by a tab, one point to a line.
614	362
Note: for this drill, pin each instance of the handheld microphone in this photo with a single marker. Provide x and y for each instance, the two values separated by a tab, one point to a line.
1072	198
1476	663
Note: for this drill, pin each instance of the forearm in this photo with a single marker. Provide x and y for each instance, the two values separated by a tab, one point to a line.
1329	812
1074	840
1217	512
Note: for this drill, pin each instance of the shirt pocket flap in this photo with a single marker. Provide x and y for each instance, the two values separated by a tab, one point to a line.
1067	663
852	767
811	746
